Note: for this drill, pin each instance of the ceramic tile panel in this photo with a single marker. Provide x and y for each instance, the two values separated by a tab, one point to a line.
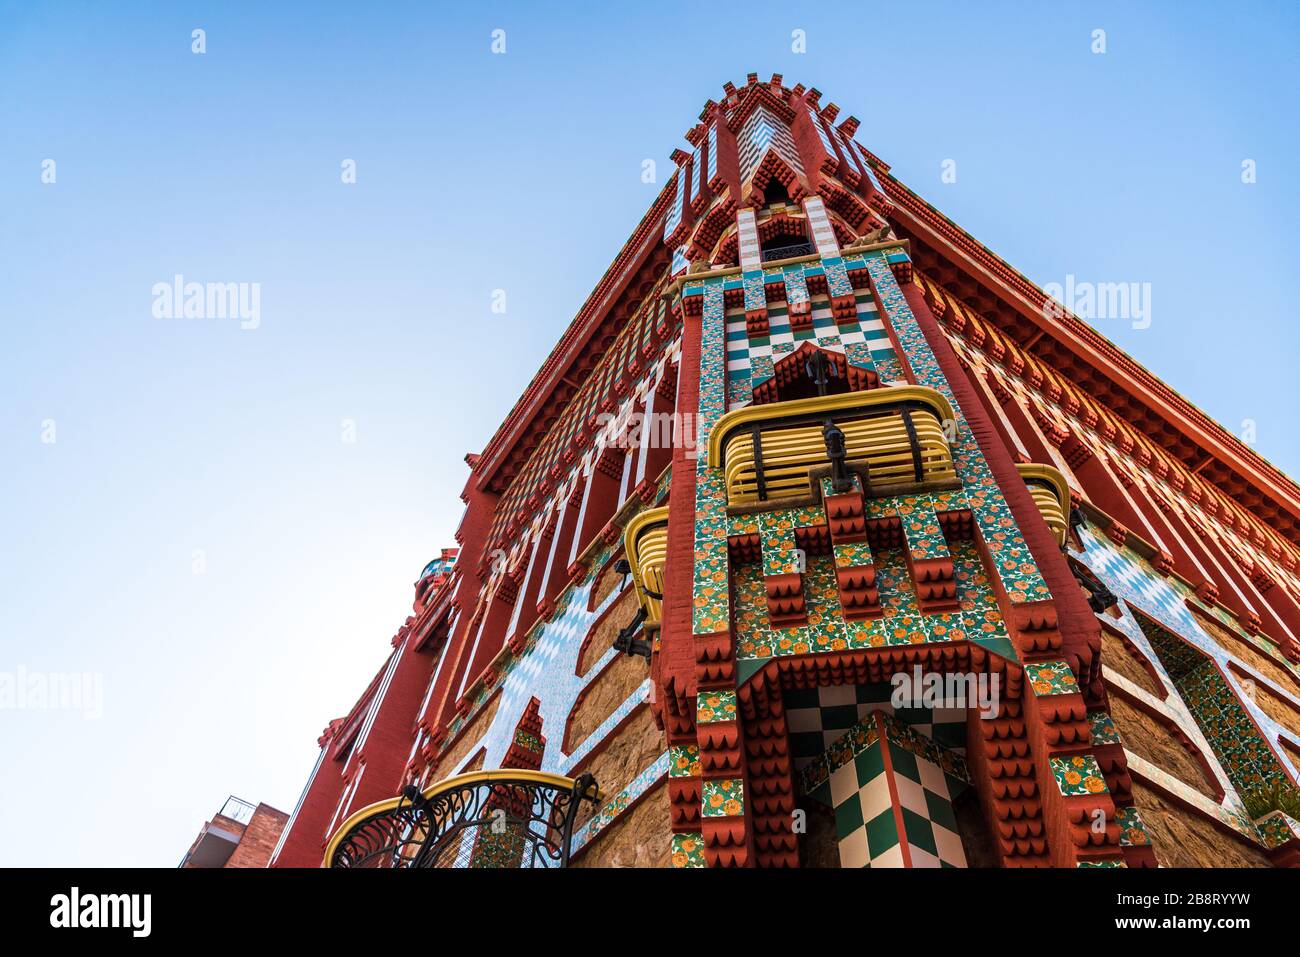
722	798
1102	729
979	618
1050	678
755	290
823	234
1078	774
763	131
714	706
874	783
818	718
1242	751
1132	831
1277	828
776	535
688	850
711	602
674	217
796	287
684	761
750	251
921	528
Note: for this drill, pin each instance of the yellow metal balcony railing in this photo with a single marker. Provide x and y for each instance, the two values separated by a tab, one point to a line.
504	818
645	539
1052	495
767	451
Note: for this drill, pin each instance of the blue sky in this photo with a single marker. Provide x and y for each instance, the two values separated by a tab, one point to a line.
195	443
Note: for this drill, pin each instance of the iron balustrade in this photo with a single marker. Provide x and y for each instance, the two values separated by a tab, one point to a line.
787	252
504	818
237	809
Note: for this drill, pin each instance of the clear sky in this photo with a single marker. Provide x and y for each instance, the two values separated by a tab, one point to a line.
200	535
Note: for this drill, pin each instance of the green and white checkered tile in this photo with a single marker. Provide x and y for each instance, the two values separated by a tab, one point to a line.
818	717
866	818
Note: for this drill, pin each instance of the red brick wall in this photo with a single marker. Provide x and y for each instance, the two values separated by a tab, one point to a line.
260	836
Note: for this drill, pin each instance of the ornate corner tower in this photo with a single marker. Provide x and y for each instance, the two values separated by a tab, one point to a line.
823	539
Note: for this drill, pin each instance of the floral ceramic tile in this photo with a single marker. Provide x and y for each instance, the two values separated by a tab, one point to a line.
688	850
1078	775
684	761
1132	832
722	798
713	706
1051	678
1102	728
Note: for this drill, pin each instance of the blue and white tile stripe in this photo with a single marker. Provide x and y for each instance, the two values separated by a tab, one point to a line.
1135	583
548	671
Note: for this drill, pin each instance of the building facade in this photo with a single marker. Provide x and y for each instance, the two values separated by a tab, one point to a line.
241	834
825	538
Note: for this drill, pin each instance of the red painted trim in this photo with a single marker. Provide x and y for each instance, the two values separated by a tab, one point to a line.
677	649
894	799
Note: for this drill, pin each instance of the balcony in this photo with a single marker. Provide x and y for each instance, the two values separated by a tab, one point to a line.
1051	494
773	453
506	818
219	837
787	252
645	539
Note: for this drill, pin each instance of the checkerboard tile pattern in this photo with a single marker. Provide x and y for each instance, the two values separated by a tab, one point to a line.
819	717
892	806
761	132
751	358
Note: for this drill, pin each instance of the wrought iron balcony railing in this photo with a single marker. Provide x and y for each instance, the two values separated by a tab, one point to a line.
787	252
505	818
1051	494
237	809
645	540
772	452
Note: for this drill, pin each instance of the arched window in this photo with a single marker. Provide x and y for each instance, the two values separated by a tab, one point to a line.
775	194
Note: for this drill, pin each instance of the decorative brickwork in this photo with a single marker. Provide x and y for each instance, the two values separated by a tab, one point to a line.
860	525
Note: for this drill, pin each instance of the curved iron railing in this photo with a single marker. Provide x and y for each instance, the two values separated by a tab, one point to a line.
787	252
504	818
